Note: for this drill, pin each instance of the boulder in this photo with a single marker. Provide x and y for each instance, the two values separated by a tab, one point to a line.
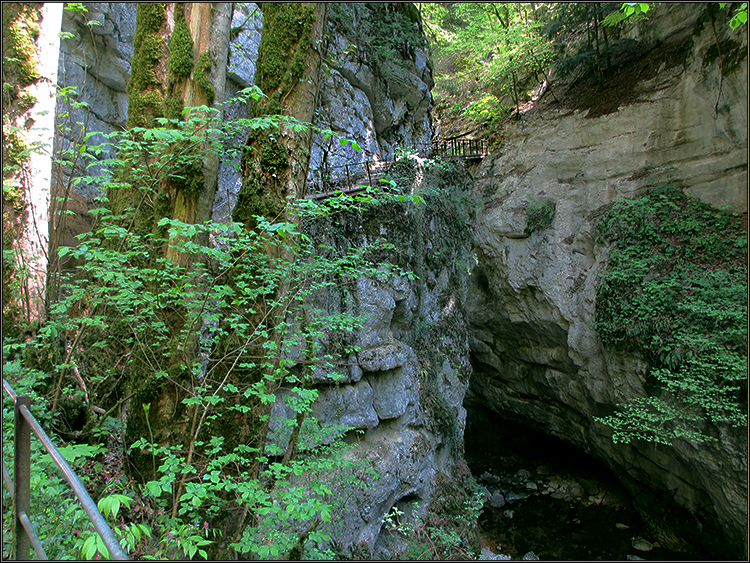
497	500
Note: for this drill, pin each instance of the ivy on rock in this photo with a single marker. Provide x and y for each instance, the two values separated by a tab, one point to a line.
675	290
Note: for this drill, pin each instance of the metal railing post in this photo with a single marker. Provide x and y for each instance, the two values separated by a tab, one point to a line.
22	473
88	505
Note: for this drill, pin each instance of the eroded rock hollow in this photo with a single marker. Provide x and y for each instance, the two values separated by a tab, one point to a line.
532	299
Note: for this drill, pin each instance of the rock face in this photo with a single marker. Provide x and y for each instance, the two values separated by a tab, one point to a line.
247	22
376	89
404	389
532	298
379	99
95	61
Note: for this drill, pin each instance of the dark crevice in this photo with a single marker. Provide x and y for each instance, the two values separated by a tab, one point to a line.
546	496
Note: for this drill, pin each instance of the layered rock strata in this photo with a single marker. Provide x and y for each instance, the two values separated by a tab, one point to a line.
532	299
403	390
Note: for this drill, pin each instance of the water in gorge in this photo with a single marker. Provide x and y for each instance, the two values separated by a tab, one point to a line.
547	500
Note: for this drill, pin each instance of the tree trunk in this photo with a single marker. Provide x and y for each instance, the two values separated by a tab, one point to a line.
288	73
599	75
180	60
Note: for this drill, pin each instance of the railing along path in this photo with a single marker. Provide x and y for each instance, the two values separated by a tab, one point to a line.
354	177
24	535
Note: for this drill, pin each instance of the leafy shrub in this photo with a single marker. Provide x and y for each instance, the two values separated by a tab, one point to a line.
227	328
675	290
539	215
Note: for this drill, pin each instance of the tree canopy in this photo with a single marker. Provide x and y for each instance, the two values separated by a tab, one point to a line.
492	58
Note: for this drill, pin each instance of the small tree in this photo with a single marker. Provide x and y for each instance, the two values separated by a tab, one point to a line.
218	329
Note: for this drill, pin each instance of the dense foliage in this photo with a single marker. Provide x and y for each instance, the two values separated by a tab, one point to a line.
493	59
132	322
675	290
487	56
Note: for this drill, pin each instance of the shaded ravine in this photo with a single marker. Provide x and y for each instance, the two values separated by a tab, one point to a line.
548	500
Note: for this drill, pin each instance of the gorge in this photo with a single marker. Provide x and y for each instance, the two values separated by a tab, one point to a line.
482	334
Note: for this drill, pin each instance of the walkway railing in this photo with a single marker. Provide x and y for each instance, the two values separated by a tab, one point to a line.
350	178
346	178
464	148
24	535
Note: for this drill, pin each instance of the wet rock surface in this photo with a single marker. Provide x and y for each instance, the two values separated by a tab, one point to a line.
569	514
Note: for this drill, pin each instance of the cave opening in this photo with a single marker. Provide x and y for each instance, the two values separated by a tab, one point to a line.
492	441
548	499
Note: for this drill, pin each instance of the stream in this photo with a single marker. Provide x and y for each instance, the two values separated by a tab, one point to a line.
546	500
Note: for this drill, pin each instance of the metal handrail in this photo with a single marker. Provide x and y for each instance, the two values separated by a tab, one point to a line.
368	168
24	535
463	148
466	148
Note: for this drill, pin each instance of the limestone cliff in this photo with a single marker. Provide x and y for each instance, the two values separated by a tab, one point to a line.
404	389
94	67
377	85
532	298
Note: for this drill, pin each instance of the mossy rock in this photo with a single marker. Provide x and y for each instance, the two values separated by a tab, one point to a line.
20	31
284	46
145	90
253	200
202	67
180	48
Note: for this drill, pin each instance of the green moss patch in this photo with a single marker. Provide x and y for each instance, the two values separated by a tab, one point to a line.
202	67
539	215
284	46
180	48
145	89
20	31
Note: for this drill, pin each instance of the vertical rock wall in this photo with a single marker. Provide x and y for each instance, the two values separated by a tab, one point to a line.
247	22
379	101
377	86
405	388
28	114
532	299
94	67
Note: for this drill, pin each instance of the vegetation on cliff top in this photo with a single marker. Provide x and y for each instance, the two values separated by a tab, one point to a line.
496	61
